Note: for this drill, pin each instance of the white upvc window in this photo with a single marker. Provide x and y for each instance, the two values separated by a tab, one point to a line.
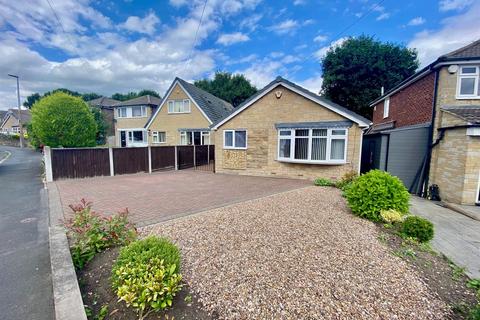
468	82
235	139
386	107
179	106
313	145
194	138
159	136
132	112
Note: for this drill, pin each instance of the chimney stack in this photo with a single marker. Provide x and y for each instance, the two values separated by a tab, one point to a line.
382	91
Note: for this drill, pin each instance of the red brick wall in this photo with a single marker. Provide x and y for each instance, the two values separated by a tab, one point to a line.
409	106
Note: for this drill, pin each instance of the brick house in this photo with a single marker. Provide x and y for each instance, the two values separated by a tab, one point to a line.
426	130
10	124
285	130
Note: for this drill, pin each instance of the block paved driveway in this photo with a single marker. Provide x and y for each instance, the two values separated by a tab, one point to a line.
158	197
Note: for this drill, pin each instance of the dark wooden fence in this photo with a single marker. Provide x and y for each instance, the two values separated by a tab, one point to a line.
80	163
90	162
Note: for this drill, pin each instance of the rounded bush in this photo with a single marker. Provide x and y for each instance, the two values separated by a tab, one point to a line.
375	191
146	275
418	228
391	216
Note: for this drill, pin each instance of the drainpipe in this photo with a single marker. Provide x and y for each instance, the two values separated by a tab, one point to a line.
426	177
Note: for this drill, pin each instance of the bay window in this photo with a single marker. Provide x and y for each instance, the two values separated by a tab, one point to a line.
319	145
468	82
179	106
234	139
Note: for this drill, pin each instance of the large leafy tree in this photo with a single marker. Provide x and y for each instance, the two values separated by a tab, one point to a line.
60	119
132	95
354	72
231	88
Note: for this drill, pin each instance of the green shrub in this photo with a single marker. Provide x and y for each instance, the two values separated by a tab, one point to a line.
391	216
90	232
418	228
346	180
146	275
324	182
376	191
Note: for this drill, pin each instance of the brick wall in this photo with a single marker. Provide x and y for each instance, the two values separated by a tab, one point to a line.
411	105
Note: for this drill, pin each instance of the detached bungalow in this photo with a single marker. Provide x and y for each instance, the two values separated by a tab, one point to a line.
185	115
287	131
10	123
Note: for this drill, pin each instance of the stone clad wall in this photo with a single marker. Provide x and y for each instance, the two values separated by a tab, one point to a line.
262	139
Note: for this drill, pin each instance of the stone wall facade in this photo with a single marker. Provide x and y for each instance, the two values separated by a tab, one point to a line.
129	123
171	122
260	157
455	165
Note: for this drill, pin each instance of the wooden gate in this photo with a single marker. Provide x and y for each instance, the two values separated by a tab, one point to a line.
162	158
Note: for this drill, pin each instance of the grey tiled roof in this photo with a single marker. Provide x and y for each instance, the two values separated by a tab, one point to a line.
103	102
313	125
470	113
26	115
471	50
310	94
143	100
214	107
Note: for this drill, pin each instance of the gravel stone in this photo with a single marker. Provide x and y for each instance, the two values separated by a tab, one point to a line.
296	255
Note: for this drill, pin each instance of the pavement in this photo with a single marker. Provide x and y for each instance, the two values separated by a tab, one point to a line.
26	285
157	197
456	236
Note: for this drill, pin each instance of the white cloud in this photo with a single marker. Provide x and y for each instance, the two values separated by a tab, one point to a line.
320	53
320	38
262	72
383	16
251	22
285	27
227	39
299	2
416	21
448	5
314	84
141	25
308	22
455	32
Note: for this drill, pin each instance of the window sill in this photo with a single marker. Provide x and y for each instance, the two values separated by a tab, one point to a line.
234	148
467	97
179	112
330	163
159	142
120	118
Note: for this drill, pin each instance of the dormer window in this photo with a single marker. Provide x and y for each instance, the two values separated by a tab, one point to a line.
468	82
179	106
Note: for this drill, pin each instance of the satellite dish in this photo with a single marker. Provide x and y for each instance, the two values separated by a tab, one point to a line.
453	68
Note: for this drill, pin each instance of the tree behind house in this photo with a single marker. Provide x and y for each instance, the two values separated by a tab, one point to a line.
354	72
60	119
231	88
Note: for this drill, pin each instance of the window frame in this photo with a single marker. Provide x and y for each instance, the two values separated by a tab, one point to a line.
328	151
156	134
186	134
475	76
129	112
234	147
185	102
386	107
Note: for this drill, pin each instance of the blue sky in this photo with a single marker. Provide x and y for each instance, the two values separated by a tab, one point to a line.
109	46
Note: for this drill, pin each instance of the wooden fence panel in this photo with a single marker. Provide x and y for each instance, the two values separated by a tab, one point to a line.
130	160
185	157
163	158
80	163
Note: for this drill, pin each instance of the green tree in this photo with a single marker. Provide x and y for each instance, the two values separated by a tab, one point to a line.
60	119
354	72
145	92
231	88
102	126
132	95
90	96
31	99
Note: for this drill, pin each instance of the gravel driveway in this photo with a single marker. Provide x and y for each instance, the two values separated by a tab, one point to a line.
296	255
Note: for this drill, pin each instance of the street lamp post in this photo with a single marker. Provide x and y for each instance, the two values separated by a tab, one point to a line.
20	126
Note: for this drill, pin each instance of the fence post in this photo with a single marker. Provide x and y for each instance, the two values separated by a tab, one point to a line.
47	154
194	158
149	159
208	154
110	159
176	158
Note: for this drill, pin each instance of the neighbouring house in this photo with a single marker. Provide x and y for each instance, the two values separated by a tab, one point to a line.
285	130
2	115
426	130
186	115
130	118
106	106
10	123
